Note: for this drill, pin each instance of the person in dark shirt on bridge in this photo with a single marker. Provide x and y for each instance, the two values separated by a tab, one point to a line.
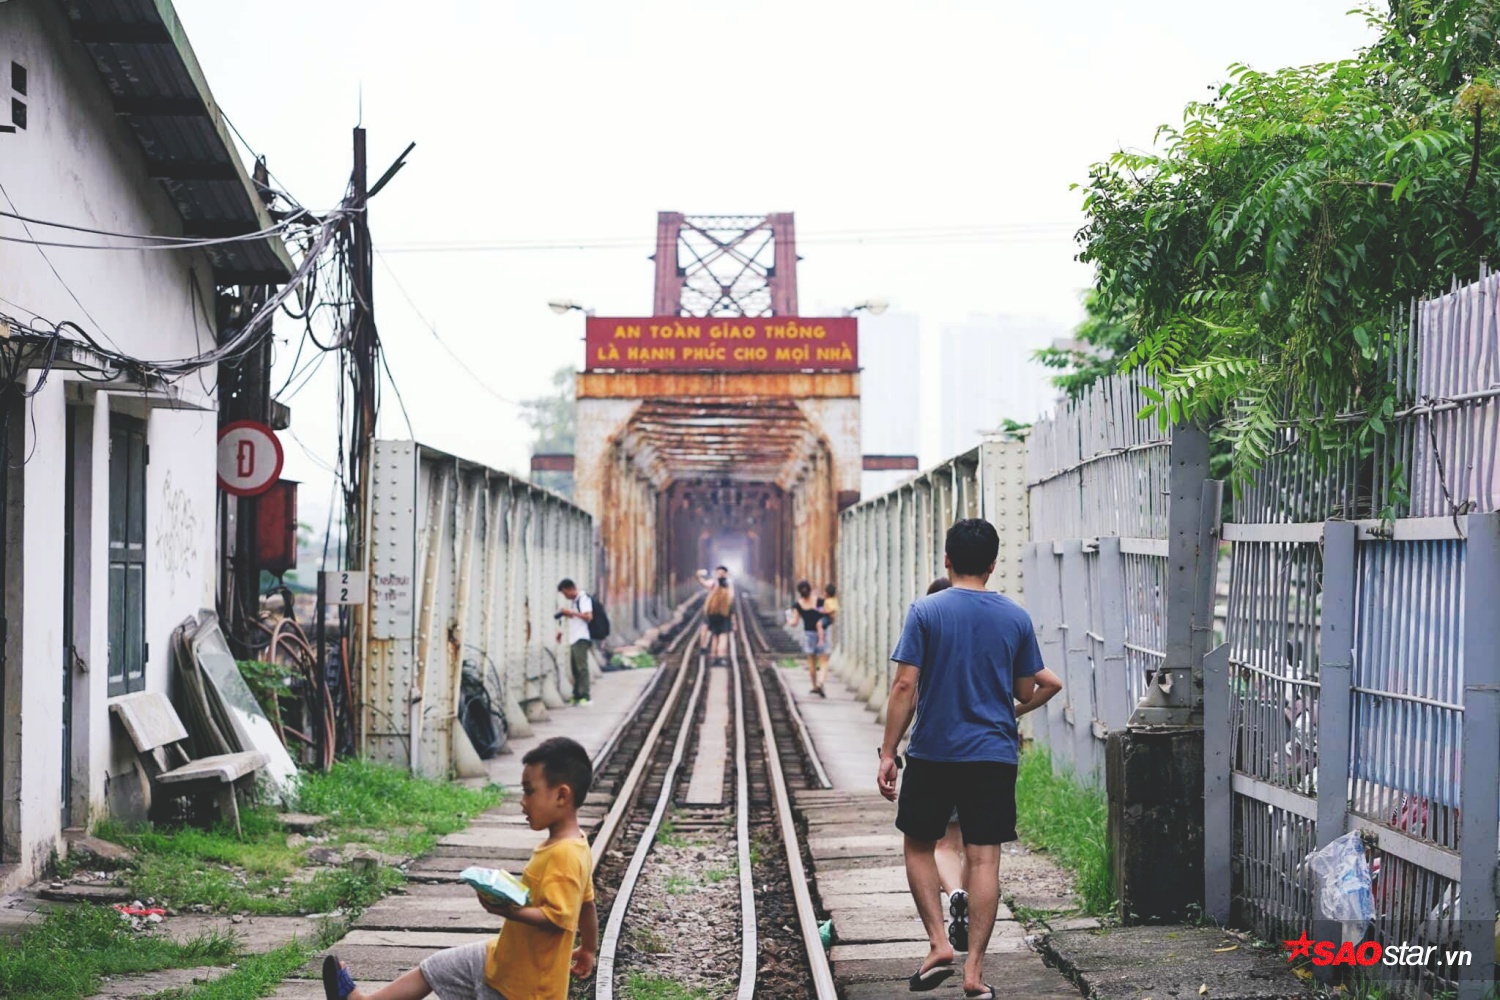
808	610
968	659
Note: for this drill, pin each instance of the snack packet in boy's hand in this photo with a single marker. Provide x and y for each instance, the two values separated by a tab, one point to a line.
498	885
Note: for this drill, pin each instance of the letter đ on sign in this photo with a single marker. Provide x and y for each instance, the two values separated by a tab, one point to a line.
344	586
250	458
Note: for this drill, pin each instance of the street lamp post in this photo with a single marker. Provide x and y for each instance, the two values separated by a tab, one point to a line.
872	306
564	306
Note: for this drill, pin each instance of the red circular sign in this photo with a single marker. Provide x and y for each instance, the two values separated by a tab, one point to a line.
250	458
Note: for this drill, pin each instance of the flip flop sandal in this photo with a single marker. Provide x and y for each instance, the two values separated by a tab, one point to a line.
337	983
987	993
921	982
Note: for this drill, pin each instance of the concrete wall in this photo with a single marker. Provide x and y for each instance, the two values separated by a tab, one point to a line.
76	162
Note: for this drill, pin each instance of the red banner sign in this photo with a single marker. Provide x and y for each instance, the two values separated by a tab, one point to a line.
723	344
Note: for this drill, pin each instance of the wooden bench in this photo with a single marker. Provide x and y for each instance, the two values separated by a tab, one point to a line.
153	726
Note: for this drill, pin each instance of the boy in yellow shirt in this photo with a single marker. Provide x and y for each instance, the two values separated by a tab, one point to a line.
534	953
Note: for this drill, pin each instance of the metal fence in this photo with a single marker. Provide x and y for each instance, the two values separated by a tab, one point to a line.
464	570
1359	684
1107	493
891	547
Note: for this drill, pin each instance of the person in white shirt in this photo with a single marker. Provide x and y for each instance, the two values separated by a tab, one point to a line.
578	612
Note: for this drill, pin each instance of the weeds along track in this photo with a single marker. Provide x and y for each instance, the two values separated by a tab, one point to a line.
700	869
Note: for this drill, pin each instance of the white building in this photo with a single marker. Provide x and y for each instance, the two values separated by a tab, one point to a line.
890	412
110	537
988	376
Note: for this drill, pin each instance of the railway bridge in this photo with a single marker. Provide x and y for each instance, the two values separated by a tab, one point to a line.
724	428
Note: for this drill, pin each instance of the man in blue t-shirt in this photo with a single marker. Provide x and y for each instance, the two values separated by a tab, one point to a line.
967	664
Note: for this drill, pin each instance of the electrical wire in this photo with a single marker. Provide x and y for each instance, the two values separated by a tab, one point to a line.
991	233
168	242
432	329
385	363
58	275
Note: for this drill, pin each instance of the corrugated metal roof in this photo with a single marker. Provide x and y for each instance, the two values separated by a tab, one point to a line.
144	59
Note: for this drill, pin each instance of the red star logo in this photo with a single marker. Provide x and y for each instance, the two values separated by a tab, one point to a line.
1300	946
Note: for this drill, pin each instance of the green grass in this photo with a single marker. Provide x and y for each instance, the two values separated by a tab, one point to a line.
255	976
668	834
643	987
679	884
64	956
368	806
649	941
1056	814
717	875
787	663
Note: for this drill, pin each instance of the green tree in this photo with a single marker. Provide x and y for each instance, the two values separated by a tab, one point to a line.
1107	337
551	419
1259	257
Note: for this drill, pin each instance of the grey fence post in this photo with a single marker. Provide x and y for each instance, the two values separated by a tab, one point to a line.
1335	664
1030	555
1218	800
1335	705
1479	880
1052	637
1088	763
1114	690
1189	544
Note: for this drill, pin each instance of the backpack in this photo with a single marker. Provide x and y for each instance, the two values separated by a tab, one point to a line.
719	600
599	623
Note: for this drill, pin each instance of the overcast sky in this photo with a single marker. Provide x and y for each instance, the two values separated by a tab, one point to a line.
557	121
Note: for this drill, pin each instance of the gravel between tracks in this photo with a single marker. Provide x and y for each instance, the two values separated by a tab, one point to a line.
684	920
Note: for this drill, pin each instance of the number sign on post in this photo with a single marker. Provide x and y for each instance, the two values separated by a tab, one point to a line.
250	458
344	586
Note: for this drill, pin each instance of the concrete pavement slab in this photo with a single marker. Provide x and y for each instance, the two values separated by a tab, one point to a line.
1019	975
501	837
1125	963
149	983
432	940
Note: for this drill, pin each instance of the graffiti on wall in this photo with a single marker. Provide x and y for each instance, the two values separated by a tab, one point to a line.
176	533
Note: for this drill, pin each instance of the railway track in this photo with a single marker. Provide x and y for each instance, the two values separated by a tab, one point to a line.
702	784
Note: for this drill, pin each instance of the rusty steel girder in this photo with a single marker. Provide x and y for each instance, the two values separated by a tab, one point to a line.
688	470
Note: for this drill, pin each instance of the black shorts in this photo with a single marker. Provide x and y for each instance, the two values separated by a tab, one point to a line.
718	624
983	792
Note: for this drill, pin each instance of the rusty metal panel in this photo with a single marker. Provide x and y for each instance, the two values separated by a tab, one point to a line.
646	441
720	385
465	567
889	463
550	462
388	654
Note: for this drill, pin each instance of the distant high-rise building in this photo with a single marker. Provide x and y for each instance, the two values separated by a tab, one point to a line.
890	414
988	375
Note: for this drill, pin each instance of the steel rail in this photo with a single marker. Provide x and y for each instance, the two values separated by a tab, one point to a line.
601	759
803	735
604	988
749	929
807	918
625	794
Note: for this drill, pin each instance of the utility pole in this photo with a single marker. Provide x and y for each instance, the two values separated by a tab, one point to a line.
245	394
364	347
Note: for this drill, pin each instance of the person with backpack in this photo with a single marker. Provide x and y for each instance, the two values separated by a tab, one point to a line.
718	606
586	622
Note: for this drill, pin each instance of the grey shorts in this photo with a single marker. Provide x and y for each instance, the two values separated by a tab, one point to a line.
458	973
811	646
